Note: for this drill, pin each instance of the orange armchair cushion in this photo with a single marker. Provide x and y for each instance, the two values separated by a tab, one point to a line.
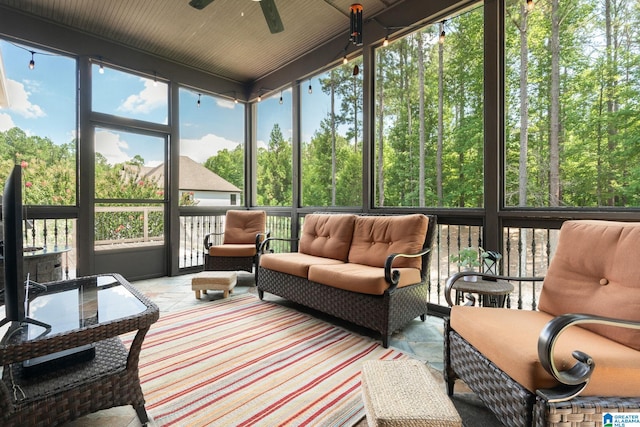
377	237
243	226
596	270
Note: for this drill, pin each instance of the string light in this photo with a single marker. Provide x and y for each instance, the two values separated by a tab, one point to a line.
198	103
32	63
345	61
281	100
442	34
530	5
259	98
310	90
385	43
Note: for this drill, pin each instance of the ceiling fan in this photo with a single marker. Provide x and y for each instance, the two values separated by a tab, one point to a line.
269	10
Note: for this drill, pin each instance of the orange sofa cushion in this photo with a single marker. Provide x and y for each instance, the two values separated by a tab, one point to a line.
294	263
236	250
359	278
509	338
377	237
327	235
243	226
596	270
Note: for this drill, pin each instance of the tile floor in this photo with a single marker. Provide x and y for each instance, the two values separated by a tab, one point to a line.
423	340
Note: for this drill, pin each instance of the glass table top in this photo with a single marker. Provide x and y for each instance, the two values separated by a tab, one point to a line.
80	303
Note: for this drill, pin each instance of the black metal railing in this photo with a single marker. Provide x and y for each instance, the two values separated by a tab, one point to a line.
526	251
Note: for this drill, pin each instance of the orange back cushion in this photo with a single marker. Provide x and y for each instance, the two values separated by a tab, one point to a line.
377	237
242	226
327	235
596	270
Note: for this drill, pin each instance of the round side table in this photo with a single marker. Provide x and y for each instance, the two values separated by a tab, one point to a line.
491	293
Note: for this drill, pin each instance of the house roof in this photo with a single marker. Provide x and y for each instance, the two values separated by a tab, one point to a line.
194	177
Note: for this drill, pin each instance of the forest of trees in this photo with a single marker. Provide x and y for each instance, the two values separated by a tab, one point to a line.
572	100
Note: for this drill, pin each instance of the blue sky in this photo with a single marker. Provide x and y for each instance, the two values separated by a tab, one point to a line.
42	102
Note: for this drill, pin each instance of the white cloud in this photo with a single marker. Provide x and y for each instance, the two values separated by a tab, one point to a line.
111	146
149	98
225	103
19	101
201	149
6	122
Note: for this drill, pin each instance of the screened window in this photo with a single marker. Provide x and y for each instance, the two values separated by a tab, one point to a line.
38	124
428	119
128	95
331	127
211	149
572	90
274	138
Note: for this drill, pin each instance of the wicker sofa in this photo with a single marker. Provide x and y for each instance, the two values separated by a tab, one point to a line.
370	270
578	356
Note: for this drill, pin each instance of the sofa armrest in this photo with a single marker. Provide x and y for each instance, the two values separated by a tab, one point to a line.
265	245
393	276
457	276
575	379
208	240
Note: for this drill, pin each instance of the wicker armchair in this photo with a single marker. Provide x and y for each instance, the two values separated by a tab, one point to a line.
578	356
243	233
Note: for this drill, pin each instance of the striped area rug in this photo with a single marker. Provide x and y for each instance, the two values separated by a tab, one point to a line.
244	362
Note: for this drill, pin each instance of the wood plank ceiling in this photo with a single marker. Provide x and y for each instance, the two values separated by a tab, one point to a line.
228	38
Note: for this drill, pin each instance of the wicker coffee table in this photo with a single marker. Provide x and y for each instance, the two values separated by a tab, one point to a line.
107	306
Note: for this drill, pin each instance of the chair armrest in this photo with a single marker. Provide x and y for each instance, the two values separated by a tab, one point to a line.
393	276
457	276
576	378
207	240
265	245
260	237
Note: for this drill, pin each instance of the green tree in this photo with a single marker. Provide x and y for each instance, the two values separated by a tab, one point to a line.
275	177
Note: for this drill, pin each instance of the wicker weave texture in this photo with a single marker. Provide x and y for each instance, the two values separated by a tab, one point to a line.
583	411
403	393
228	263
510	402
381	313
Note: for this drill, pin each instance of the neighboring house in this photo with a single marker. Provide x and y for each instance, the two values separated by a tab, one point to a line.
204	187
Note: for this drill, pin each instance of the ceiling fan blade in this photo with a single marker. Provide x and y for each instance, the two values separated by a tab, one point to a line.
272	16
200	4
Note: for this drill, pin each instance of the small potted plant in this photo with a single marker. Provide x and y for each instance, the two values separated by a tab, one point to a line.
467	259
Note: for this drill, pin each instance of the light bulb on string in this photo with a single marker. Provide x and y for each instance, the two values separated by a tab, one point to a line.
32	63
281	100
385	43
310	90
442	34
198	103
345	61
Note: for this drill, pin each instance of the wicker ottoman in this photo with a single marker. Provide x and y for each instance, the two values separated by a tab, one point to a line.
214	280
404	393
